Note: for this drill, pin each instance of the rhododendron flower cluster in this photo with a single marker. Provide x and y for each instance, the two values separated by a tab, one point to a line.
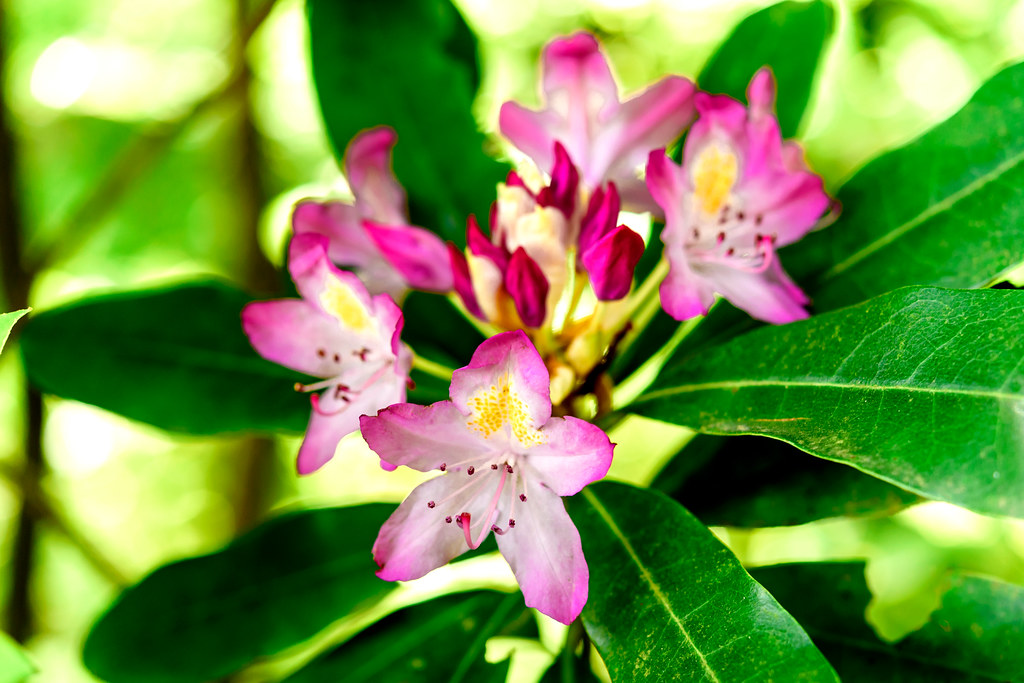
552	281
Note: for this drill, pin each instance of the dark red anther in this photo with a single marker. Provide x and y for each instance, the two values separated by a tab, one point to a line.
430	504
337	358
740	215
757	238
511	523
470	470
444	466
758	219
721	237
494	466
448	519
730	251
508	468
522	497
321	353
696	234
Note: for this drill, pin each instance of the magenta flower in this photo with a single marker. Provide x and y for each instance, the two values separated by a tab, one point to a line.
606	138
516	276
336	331
506	462
740	194
372	235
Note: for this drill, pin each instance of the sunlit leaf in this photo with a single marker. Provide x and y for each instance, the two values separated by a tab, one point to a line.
278	585
789	37
176	358
669	602
7	321
439	640
921	387
15	666
751	481
405	64
974	636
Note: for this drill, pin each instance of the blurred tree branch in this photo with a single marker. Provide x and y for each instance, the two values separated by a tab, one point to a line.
137	157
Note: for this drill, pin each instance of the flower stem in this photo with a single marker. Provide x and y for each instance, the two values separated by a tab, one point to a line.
631	387
430	367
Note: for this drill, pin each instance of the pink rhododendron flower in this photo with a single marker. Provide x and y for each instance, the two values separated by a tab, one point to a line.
740	194
606	138
336	331
517	275
372	235
506	462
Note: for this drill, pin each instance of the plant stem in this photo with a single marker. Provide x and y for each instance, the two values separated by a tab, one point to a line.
430	367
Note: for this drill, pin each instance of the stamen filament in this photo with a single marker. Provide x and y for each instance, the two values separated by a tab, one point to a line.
490	510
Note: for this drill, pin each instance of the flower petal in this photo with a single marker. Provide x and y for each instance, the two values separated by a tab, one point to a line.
368	171
610	262
546	555
565	179
295	334
770	296
417	254
684	293
508	359
416	539
423	437
349	244
601	217
336	414
574	453
652	119
526	284
531	131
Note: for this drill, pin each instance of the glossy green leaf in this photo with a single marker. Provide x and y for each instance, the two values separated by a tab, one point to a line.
406	64
435	329
921	387
669	602
15	666
176	358
974	636
277	586
7	321
944	210
751	481
789	37
439	640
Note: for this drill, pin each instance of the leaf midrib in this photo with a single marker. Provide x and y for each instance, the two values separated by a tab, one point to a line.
935	209
659	595
785	384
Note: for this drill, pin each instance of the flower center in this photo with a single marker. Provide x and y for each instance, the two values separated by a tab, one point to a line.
714	174
509	481
340	301
498	407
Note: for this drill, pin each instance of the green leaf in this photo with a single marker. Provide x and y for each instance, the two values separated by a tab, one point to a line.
436	330
788	37
669	602
7	321
751	481
15	666
404	64
176	358
277	586
439	640
974	636
943	210
921	387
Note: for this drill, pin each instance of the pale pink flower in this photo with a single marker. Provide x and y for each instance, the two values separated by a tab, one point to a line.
608	140
336	331
740	194
506	463
372	235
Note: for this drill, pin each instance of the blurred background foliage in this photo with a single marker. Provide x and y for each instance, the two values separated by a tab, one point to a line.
159	141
